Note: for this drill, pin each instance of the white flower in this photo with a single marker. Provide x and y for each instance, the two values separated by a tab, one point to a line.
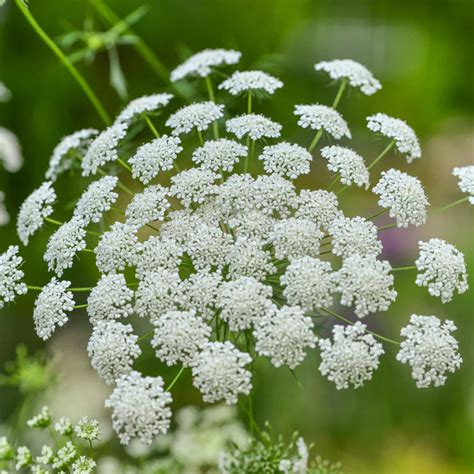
354	236
23	457
97	199
319	206
179	336
466	180
157	252
253	224
87	429
273	195
367	283
153	157
193	185
243	81
351	357
286	159
219	372
403	135
5	93
298	465
357	75
284	336
198	115
349	164
11	276
309	283
256	126
64	456
222	154
404	196
46	457
321	117
34	210
10	151
139	408
442	269
83	465
51	307
64	426
112	348
41	420
143	105
148	206
202	63
4	216
235	195
110	299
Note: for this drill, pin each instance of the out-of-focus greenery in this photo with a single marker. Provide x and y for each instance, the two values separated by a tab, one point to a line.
420	51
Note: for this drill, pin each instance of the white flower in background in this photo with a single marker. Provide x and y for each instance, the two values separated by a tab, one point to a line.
365	282
351	357
357	75
143	105
430	350
284	336
442	269
286	159
217	155
36	207
243	81
64	426
404	196
10	151
256	126
148	206
157	252
41	420
64	456
192	186
23	457
155	156
219	372
139	408
299	464
405	138
5	93
319	206
87	429
349	164
46	457
51	307
322	117
198	115
4	216
466	180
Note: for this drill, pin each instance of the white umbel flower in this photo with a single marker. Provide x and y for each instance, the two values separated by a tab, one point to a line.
322	117
256	126
219	372
253	224
273	195
139	408
235	195
193	185
201	64
112	349
319	206
286	159
367	283
222	154
351	357
349	164
10	151
466	180
51	307
249	81
5	93
148	206
357	75
405	138
298	464
36	207
404	196
442	269
157	252
179	336
284	336
83	465
198	115
143	105
153	157
4	216
11	276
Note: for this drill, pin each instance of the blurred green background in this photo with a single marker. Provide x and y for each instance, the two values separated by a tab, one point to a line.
421	52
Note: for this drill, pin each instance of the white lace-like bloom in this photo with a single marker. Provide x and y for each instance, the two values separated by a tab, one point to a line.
219	372
299	464
112	349
64	426
11	276
286	159
322	117
349	164
442	269
104	148
157	252
34	210
466	180
253	224
64	457
68	150
201	64
243	81
365	282
148	206
153	157
351	357
193	185
222	154
243	302
51	307
405	138
273	195
5	93
179	336
256	126
404	196
295	237
83	465
139	408
284	336
97	199
198	115
10	151
354	236
110	299
308	282
357	75
4	216
319	206
143	105
117	248
64	244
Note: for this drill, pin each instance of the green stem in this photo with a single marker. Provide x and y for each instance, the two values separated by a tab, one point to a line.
249	103
326	252
376	214
340	191
178	375
34	288
339	93
145	336
384	152
210	91
388	226
201	141
333	182
80	306
78	290
315	141
124	164
399	269
88	250
59	223
152	127
250	153
455	203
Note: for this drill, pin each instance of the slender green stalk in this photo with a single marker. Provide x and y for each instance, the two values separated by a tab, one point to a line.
340	191
339	93
79	290
178	375
455	203
315	141
249	102
34	288
376	214
388	226
250	153
210	91
334	182
326	252
384	152
201	140
55	222
88	250
152	127
124	164
400	269
80	306
145	336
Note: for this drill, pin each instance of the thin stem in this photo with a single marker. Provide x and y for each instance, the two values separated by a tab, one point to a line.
116	209
384	152
455	203
315	141
339	93
34	288
210	91
249	103
80	306
201	141
152	127
124	165
400	269
388	226
250	153
145	336
55	222
79	289
376	214
122	186
342	190
326	252
178	375
88	250
333	182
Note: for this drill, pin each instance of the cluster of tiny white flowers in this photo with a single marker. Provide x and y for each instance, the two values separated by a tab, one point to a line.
10	151
243	81
322	117
222	154
11	276
198	115
157	252
319	206
193	185
466	180
286	159
256	126
348	163
4	216
143	105
87	429
299	464
148	206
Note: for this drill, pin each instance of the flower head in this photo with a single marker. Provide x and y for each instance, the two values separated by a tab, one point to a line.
157	252
193	185
198	115
286	159
41	420
10	151
143	105
221	154
319	206
321	117
148	206
11	276
87	429
349	164
466	180
256	126
83	465
244	81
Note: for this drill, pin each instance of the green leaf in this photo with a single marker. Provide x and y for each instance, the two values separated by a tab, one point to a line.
117	78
